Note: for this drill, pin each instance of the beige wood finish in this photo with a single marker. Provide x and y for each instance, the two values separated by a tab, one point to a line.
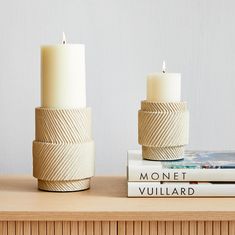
63	150
105	209
163	130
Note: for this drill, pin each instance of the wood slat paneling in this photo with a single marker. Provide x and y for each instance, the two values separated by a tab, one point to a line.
58	228
224	228
27	228
184	227
113	228
161	228
121	228
89	227
153	228
34	228
50	228
97	228
129	228
231	227
193	228
74	228
4	227
208	228
145	228
11	228
19	228
66	228
105	227
1	228
42	228
216	227
81	228
200	228
117	228
177	228
169	227
137	227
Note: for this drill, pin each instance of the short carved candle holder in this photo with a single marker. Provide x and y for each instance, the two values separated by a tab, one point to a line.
63	151
163	130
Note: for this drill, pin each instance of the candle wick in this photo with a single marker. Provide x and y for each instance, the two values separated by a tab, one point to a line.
163	66
64	39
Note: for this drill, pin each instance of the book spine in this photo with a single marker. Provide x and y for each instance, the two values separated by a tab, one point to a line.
151	174
156	189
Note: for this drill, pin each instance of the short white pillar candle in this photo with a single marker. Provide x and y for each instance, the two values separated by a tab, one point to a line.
164	87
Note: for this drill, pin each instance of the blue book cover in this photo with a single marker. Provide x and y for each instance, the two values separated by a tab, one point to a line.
196	166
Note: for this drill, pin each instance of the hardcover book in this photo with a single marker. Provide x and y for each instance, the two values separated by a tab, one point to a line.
180	189
196	166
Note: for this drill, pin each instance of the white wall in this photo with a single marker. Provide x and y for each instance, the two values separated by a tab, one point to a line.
125	40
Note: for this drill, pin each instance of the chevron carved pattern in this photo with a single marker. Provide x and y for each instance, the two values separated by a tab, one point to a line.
158	129
167	153
163	107
70	185
163	130
56	162
63	125
63	150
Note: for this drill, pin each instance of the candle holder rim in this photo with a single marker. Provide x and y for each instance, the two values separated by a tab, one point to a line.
62	109
171	102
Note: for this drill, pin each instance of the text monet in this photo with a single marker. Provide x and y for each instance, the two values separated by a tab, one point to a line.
163	176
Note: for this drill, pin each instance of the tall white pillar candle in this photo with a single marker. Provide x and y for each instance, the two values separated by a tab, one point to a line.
164	87
63	82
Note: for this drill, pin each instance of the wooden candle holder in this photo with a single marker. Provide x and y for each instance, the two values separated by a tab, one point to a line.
63	150
163	130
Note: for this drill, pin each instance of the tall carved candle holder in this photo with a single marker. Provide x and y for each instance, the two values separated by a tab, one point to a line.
63	150
163	120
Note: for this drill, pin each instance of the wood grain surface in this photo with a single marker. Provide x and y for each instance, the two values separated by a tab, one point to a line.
105	210
105	201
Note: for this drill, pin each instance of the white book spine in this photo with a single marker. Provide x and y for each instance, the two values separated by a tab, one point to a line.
156	189
148	173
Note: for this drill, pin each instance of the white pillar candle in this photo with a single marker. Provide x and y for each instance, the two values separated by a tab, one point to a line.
164	87
63	82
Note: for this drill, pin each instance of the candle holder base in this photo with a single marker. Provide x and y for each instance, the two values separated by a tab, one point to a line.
163	154
163	130
63	150
64	186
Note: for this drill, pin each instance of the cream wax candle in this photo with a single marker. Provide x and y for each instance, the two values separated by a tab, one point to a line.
164	87
63	82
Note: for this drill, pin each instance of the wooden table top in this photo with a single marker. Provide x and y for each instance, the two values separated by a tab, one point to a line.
106	200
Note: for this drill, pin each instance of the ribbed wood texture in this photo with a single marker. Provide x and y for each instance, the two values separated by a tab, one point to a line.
163	107
71	185
117	228
54	162
63	125
163	130
63	150
167	153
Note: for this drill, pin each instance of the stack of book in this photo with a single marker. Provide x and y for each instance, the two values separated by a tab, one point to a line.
199	174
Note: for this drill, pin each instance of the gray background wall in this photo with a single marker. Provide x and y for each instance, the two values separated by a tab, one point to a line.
125	40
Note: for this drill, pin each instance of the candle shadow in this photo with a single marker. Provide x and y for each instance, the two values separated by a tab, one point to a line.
16	183
101	186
